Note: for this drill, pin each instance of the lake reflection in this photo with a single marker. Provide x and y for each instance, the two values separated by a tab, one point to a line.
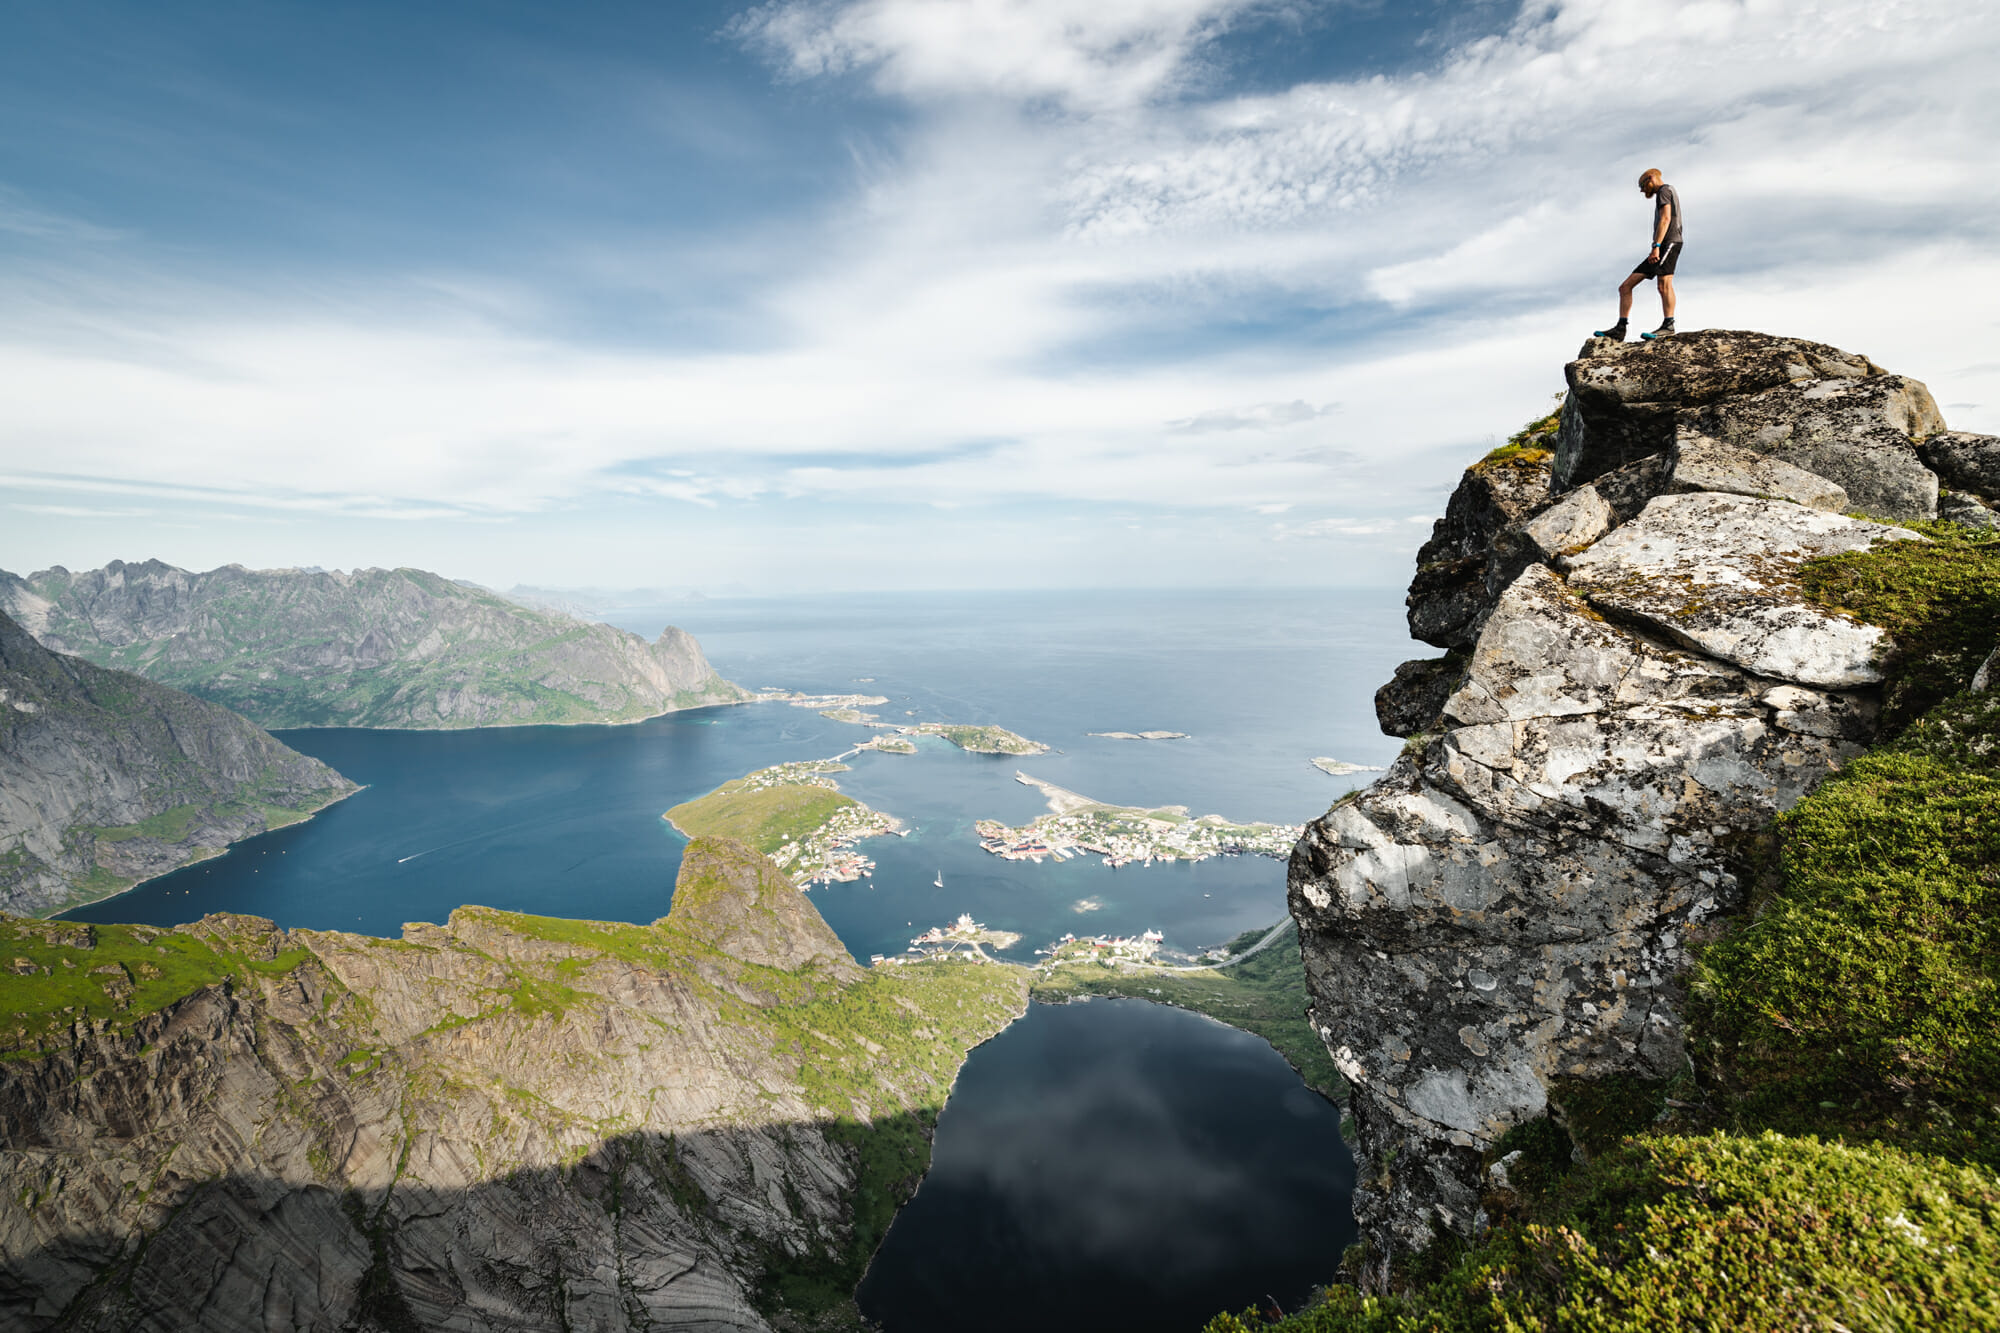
1117	1164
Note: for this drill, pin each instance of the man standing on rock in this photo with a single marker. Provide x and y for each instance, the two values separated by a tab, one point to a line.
1659	261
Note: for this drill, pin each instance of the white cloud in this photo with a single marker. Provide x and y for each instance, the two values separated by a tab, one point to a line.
1091	57
1014	306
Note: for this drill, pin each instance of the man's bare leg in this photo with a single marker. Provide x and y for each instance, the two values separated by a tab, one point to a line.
1667	295
1625	289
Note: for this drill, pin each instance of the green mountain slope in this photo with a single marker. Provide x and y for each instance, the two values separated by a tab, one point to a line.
107	778
374	648
706	1122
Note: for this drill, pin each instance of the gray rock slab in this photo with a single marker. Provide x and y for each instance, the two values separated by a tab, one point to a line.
1964	462
1718	574
1409	702
1859	433
1704	464
1623	397
1570	524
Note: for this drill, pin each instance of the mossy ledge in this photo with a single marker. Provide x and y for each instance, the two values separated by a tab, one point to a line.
706	1120
1762	1090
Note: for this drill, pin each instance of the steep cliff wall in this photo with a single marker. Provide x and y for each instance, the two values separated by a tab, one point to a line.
107	778
506	1122
374	648
1637	685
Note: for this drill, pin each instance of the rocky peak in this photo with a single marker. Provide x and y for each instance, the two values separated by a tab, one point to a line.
735	900
1637	686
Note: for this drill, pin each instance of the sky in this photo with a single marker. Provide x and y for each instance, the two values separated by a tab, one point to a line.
811	295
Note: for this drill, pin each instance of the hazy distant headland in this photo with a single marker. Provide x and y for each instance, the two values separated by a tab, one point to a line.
372	648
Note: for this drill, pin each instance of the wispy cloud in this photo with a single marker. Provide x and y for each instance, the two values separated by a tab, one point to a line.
1077	271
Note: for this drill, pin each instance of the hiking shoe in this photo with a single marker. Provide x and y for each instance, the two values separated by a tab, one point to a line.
1616	332
1665	330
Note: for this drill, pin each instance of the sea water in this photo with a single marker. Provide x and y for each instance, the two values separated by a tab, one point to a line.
565	821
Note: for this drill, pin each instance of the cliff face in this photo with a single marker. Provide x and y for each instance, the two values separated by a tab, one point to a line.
107	778
1637	685
503	1123
375	648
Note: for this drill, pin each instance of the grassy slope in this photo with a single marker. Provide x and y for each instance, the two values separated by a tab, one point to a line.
1264	994
1829	1160
766	819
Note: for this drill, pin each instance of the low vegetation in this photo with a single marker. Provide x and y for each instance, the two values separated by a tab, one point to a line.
56	974
765	818
1828	1160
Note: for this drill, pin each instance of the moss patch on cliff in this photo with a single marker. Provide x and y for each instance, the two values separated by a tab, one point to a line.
1717	1231
55	974
1865	995
1939	600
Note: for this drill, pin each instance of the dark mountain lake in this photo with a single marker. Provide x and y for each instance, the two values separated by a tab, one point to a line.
564	821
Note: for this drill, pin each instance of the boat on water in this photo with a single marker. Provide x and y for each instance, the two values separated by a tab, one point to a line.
940	879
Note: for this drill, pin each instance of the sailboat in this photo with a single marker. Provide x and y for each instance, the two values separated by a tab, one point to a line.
940	879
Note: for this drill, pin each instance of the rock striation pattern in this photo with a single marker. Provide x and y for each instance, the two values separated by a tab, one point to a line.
504	1122
1637	687
107	779
374	648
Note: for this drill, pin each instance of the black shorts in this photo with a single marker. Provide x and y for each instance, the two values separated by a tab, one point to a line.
1663	266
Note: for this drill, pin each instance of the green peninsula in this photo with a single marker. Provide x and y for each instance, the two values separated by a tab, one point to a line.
793	813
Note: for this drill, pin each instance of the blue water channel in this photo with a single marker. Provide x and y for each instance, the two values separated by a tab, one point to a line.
1183	1118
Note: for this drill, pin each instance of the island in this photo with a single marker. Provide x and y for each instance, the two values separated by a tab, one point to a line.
1123	834
1340	768
961	939
978	739
796	815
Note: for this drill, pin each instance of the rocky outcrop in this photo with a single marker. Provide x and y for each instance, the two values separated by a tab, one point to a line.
504	1122
1501	924
374	648
107	779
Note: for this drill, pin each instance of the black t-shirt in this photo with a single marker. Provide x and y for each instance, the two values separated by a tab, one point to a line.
1664	197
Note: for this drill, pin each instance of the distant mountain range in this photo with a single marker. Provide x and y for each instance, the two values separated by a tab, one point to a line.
372	648
107	779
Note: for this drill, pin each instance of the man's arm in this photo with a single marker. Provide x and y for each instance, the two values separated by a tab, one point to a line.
1662	224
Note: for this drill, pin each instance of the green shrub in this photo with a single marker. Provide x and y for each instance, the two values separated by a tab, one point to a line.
1717	1232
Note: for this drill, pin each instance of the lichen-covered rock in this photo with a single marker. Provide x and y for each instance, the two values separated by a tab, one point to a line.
1626	398
1411	701
1701	463
1967	512
1860	433
1718	573
1461	570
1965	462
1503	920
1570	524
1510	908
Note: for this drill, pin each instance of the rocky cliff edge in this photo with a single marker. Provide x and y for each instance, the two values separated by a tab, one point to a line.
1636	684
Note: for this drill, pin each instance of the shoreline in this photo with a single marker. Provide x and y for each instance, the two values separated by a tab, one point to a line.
221	852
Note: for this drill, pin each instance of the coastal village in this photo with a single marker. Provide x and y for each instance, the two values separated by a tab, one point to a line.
1124	835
